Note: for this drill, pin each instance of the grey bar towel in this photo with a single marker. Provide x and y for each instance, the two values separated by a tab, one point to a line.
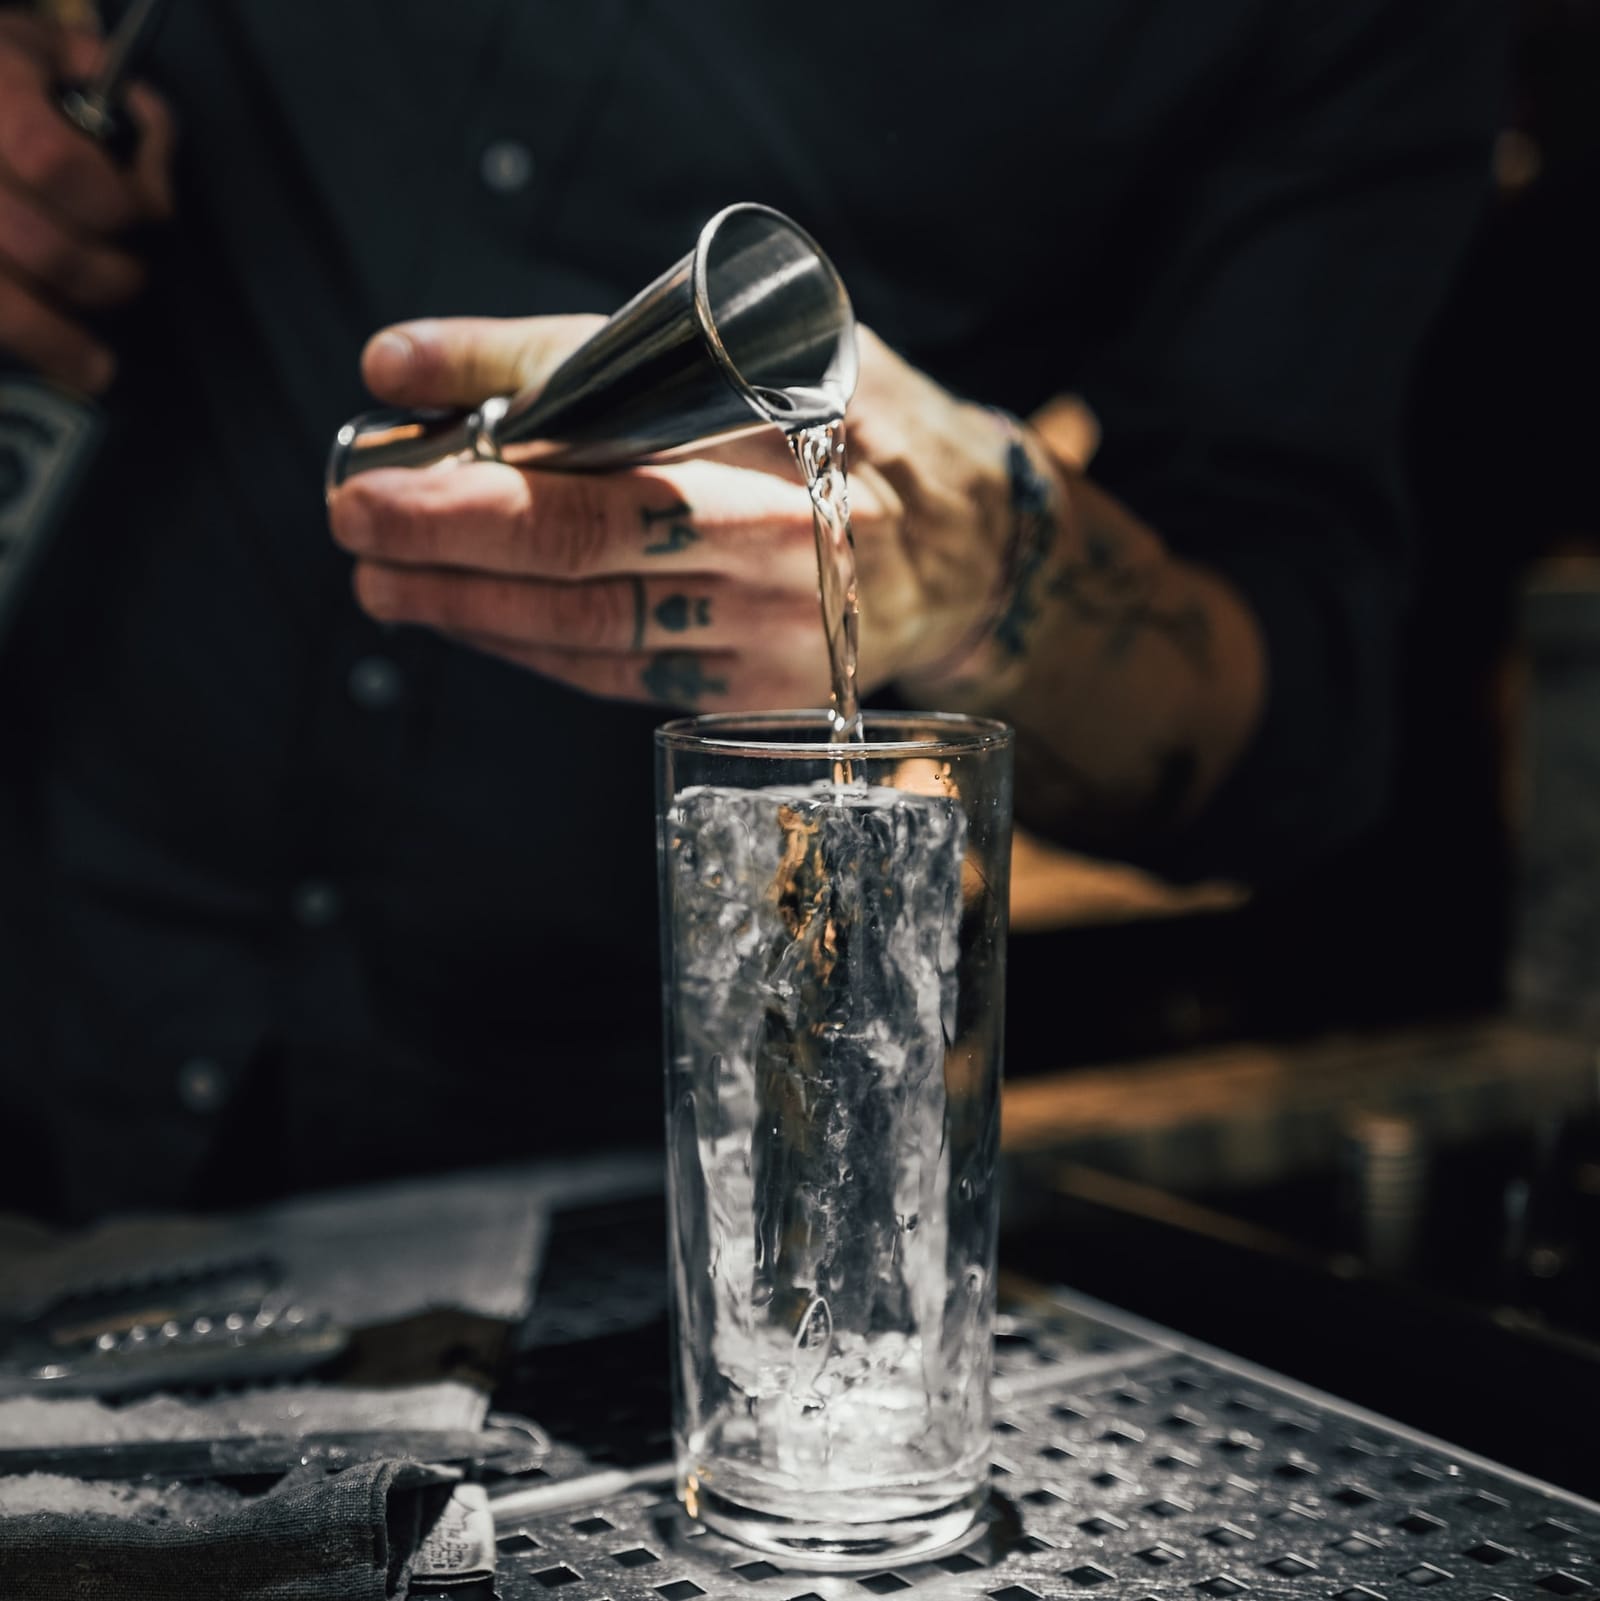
348	1536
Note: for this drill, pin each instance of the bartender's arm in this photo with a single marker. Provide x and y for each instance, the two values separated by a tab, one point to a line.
990	580
1198	648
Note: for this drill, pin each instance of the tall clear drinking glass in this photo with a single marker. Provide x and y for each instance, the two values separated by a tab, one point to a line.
833	942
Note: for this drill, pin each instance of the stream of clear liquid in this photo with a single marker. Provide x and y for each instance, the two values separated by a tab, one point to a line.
819	452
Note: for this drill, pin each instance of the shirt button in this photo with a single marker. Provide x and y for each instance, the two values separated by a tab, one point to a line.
202	1085
506	166
316	903
375	683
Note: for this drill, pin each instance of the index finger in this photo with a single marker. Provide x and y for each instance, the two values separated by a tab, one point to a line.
695	517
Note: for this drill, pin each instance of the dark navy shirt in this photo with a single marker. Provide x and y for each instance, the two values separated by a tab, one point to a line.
286	898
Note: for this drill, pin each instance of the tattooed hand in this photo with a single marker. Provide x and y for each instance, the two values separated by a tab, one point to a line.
691	584
1132	678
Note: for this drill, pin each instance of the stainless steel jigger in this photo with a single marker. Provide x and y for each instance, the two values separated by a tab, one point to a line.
753	327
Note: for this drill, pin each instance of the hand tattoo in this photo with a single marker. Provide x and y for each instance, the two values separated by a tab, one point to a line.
679	676
678	612
678	536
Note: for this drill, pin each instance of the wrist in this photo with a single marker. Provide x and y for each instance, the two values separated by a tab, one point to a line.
979	660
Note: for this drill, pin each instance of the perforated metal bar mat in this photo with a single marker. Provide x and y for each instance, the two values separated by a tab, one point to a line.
1131	1463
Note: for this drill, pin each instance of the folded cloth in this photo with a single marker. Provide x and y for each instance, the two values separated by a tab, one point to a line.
362	1256
282	1410
347	1536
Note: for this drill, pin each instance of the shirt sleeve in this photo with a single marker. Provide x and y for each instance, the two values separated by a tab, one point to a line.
1252	393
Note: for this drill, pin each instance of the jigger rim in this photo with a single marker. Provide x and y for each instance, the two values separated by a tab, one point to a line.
845	352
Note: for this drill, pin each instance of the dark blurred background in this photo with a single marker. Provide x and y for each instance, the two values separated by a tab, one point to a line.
1417	921
1420	1187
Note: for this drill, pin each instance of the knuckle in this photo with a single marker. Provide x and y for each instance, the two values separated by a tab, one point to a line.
472	605
375	519
409	526
588	614
576	522
591	524
615	606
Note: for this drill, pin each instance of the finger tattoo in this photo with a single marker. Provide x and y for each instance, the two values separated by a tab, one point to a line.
679	612
677	535
680	676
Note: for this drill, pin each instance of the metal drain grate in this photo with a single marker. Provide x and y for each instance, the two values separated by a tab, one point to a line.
1129	1464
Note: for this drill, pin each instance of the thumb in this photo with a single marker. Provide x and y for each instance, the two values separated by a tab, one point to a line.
462	361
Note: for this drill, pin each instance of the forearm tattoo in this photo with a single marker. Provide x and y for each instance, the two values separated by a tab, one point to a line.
1033	535
1109	590
1101	587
